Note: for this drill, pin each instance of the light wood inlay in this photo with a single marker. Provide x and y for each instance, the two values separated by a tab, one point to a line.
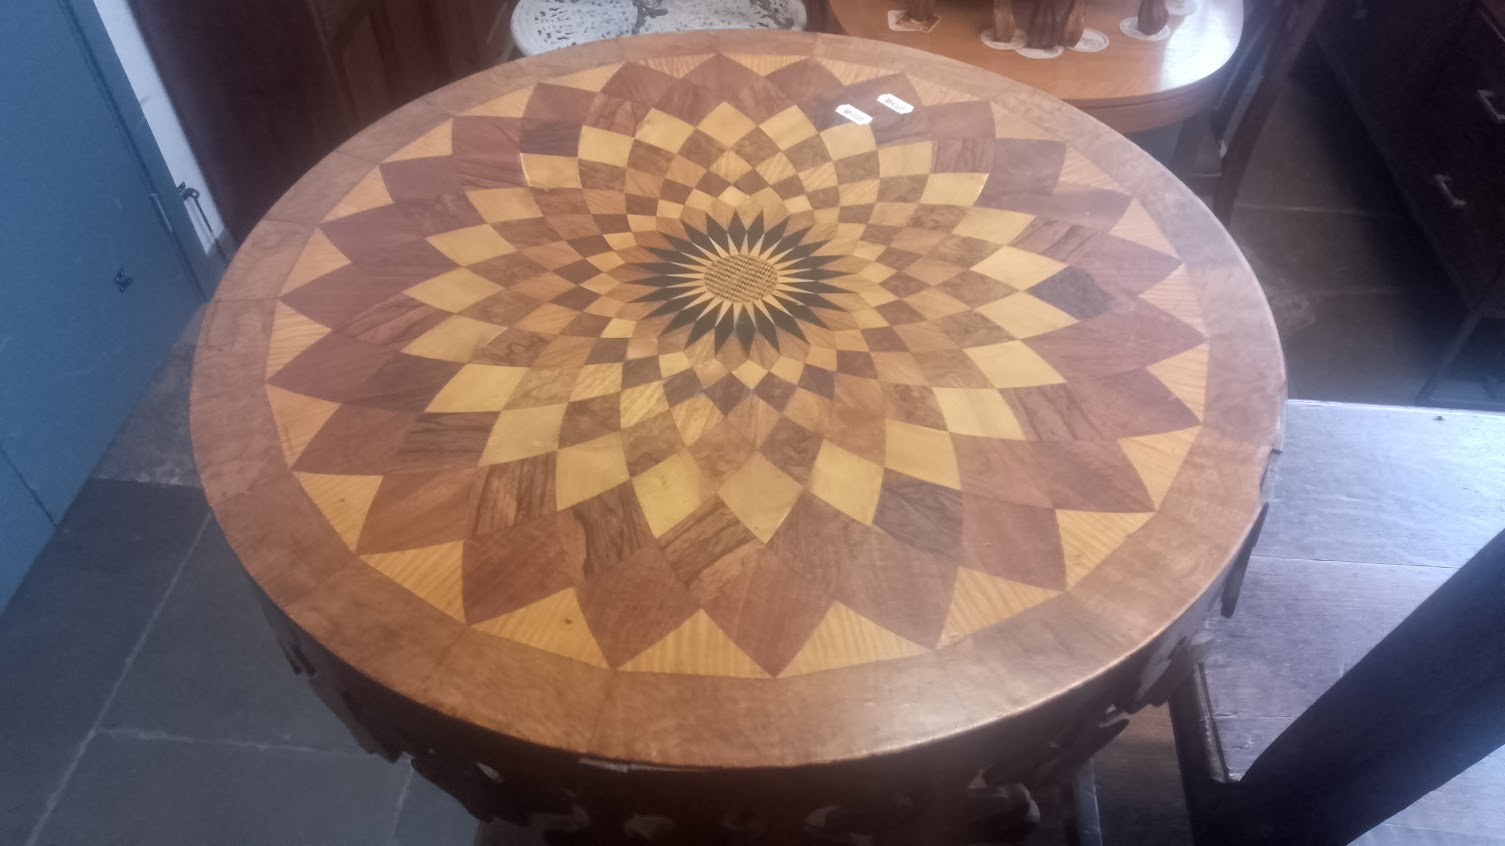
979	600
639	362
845	638
432	572
554	624
370	193
697	647
318	258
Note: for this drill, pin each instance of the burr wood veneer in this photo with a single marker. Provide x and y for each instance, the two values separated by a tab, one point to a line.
627	419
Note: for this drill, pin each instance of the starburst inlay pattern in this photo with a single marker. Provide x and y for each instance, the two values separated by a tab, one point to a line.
639	370
742	280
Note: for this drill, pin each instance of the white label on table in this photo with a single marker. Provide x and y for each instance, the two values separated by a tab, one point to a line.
895	103
853	114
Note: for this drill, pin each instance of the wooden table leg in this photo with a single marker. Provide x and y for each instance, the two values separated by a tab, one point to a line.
1055	23
1076	24
920	12
1083	821
1003	20
1153	16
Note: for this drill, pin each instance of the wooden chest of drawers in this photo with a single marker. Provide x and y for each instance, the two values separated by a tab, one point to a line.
1429	82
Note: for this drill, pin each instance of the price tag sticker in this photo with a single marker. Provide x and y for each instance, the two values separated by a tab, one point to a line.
853	114
895	103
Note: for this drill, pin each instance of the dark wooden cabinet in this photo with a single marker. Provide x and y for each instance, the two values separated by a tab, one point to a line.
1457	148
1428	80
265	89
1388	52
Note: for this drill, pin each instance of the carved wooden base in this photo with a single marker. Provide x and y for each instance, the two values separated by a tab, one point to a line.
995	816
1153	16
974	791
1003	20
1054	23
1047	23
920	12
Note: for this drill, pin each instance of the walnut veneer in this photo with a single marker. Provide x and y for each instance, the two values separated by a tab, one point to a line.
631	405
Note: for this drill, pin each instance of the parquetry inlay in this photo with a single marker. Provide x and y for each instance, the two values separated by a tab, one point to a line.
611	366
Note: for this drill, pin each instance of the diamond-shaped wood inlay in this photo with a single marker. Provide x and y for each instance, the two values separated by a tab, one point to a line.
649	372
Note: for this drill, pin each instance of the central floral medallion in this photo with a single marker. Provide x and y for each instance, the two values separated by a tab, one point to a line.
742	280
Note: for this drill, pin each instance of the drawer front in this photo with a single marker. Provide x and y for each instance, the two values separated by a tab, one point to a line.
1387	54
1468	231
1458	158
1475	78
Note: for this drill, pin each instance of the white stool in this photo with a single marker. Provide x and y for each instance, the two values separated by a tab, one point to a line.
539	26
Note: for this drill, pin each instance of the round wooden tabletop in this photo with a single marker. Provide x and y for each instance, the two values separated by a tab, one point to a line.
1131	85
674	400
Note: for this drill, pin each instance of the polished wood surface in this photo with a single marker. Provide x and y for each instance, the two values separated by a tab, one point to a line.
1132	85
1429	90
631	402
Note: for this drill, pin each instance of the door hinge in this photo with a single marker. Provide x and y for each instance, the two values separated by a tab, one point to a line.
189	193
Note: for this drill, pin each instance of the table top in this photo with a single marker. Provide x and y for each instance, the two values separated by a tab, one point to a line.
632	401
1132	85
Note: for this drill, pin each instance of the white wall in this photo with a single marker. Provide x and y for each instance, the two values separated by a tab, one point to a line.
160	116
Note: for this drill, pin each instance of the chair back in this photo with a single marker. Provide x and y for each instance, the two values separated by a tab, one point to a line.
1274	33
1422	706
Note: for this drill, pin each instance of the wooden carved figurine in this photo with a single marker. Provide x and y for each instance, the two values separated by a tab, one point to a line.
1153	16
920	13
1055	23
1076	24
1003	20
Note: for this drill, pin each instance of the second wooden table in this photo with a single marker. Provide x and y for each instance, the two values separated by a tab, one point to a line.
1131	85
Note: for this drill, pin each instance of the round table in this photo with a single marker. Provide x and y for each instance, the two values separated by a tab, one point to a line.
1132	85
663	435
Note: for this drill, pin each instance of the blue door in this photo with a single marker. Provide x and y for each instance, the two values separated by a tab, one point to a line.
94	286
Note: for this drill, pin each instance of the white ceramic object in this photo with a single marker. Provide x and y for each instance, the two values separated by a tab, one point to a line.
1038	53
1130	27
1012	44
1092	41
539	26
